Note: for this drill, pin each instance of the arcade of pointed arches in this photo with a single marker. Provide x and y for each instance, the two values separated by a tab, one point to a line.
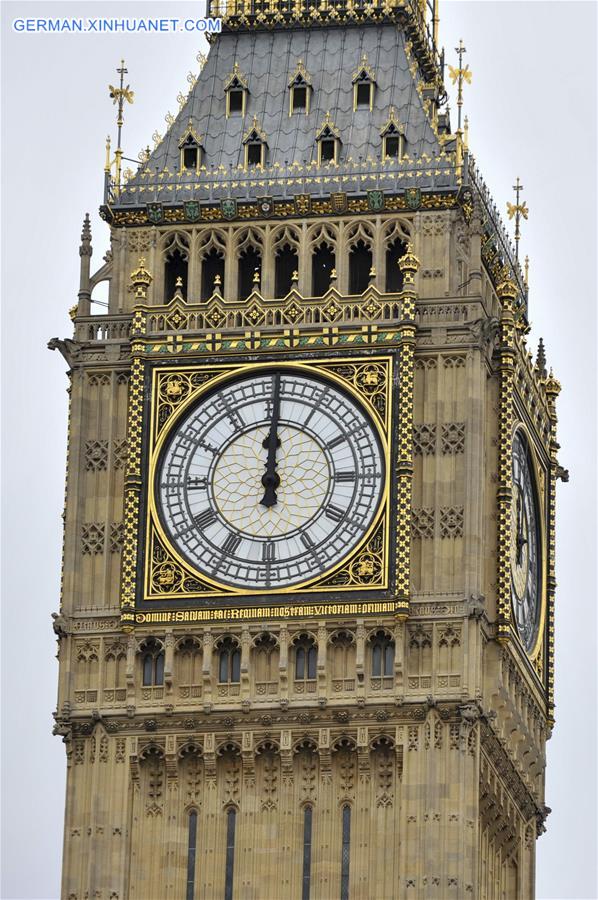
231	262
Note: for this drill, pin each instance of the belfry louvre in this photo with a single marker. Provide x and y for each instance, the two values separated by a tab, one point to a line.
306	631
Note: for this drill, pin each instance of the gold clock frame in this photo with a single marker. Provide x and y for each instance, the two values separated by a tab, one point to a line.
167	576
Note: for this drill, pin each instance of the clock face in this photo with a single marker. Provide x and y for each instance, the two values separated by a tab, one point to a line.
526	572
270	480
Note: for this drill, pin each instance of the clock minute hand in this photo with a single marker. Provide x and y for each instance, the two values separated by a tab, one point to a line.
271	478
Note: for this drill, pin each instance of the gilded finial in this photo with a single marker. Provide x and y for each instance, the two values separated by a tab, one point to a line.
552	386
506	289
119	95
517	210
256	277
178	288
409	263
140	280
458	76
217	285
295	277
333	275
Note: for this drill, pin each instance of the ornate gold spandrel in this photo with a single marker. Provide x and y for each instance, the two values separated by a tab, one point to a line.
173	388
370	380
365	568
167	577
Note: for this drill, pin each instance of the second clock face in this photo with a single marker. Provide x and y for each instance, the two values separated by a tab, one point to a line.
270	480
525	546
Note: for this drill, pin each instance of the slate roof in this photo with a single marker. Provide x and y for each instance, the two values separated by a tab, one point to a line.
331	56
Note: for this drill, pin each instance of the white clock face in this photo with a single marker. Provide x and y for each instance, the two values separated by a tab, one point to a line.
525	546
270	480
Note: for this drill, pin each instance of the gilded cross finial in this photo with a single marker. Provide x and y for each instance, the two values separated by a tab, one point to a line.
458	76
119	95
517	210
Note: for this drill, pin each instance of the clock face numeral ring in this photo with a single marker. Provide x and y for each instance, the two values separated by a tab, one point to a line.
270	480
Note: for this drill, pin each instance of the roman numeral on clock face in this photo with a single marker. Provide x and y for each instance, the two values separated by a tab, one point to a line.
197	484
269	551
231	543
338	440
334	512
205	519
344	476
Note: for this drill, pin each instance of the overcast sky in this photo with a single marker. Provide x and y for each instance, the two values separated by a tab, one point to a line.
531	108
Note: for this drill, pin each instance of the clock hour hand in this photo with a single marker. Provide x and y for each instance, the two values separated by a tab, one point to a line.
521	541
271	478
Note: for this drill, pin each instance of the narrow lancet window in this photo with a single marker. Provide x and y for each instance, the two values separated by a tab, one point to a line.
229	663
212	266
191	855
152	663
346	852
383	656
306	659
250	265
394	276
323	262
360	265
176	266
231	821
287	263
307	830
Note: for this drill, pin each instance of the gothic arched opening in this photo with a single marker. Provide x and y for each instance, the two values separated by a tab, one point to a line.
175	266
360	265
287	262
394	276
323	262
250	262
212	265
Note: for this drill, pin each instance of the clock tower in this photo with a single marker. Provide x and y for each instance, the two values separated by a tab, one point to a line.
306	630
